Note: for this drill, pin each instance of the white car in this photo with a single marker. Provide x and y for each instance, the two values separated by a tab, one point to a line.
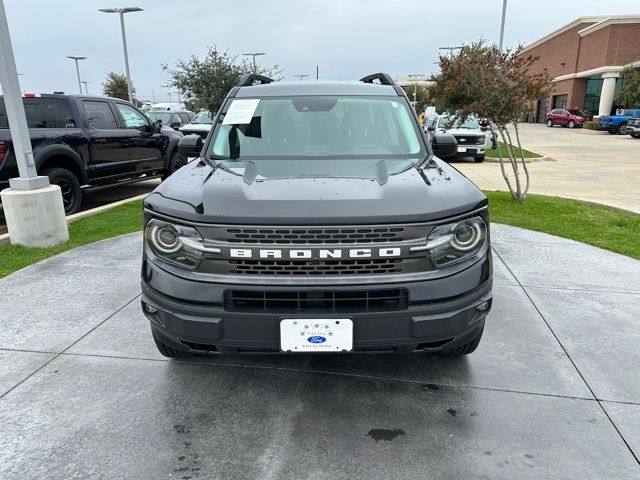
200	125
472	140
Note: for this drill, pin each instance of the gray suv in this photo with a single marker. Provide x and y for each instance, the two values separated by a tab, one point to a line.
315	219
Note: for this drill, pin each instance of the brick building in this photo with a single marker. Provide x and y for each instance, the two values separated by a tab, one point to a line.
585	59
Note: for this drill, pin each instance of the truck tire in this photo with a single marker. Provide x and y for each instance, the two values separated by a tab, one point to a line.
170	352
70	186
612	131
479	159
622	128
177	161
465	349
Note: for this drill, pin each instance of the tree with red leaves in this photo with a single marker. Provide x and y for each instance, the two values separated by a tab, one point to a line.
495	85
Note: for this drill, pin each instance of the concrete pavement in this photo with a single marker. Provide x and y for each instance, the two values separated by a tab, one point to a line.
552	392
586	165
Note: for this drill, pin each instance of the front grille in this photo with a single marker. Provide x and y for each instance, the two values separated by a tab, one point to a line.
318	267
300	236
326	301
469	139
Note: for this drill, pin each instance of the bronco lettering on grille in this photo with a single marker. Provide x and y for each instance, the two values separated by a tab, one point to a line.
320	253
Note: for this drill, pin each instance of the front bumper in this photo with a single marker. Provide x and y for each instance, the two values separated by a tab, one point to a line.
442	314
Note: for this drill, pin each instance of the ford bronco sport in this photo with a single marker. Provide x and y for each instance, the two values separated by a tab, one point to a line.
316	219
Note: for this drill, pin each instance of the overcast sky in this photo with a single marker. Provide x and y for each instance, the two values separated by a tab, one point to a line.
346	38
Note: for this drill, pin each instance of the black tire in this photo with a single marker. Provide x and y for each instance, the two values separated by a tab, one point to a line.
635	135
177	162
70	186
170	352
479	159
571	124
465	349
549	123
622	129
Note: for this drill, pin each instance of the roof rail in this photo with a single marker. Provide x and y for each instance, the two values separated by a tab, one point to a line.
251	78
383	78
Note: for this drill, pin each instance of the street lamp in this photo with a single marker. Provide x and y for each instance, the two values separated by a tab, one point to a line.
254	55
301	77
504	14
77	68
121	12
415	86
451	49
86	88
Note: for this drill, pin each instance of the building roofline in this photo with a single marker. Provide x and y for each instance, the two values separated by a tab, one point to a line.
568	26
612	20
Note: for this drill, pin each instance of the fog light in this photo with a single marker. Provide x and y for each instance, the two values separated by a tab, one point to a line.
483	307
149	309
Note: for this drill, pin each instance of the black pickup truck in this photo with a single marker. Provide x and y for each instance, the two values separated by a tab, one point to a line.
86	143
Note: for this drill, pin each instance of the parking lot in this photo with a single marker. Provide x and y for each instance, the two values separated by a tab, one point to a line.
552	391
583	164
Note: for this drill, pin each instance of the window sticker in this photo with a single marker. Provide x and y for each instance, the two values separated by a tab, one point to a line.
241	111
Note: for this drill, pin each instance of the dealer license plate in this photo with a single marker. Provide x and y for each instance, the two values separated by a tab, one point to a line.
462	149
316	335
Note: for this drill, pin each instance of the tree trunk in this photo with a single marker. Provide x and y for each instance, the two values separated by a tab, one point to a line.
505	175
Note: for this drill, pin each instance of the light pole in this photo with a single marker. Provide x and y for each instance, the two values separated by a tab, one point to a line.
504	14
301	77
415	86
451	49
77	69
254	55
33	208
121	12
86	88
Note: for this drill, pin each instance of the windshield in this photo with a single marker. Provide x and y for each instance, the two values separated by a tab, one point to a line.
452	122
202	117
159	116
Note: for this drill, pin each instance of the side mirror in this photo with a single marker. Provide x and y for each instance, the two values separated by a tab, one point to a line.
190	145
175	125
431	128
157	127
484	128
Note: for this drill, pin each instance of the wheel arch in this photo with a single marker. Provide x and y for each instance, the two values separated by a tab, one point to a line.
62	157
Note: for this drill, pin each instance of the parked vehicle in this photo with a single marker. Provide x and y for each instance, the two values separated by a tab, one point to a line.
633	127
567	118
200	125
470	136
168	107
316	219
171	119
618	123
86	143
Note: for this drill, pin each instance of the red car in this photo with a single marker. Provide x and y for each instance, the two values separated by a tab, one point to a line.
568	118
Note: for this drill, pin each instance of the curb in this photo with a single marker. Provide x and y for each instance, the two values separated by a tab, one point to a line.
526	160
4	238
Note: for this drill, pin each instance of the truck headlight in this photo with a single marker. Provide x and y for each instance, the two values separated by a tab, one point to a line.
175	244
455	242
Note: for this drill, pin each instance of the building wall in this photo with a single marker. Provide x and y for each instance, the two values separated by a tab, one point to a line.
593	50
624	44
558	50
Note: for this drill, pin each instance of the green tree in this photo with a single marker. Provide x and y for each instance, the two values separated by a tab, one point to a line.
205	82
495	85
629	94
115	85
422	96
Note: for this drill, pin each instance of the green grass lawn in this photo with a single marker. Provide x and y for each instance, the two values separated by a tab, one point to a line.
493	153
604	227
123	219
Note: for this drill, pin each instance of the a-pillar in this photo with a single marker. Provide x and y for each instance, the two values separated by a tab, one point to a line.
608	90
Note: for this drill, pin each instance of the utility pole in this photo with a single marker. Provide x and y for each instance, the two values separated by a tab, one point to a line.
301	77
504	15
415	87
169	93
317	71
121	12
33	208
254	55
77	69
86	87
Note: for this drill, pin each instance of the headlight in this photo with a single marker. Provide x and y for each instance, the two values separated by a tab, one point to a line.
455	242
176	244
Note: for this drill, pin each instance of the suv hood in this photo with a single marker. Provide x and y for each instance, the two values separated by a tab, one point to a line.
199	192
463	131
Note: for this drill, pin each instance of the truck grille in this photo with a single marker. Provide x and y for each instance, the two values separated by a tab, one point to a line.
316	301
469	139
315	235
319	267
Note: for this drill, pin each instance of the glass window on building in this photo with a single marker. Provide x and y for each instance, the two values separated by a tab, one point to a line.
592	96
559	101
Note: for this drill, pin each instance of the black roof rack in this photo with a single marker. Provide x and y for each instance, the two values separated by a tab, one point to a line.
252	78
383	78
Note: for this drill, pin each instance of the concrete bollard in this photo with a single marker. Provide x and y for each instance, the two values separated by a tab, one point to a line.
35	218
